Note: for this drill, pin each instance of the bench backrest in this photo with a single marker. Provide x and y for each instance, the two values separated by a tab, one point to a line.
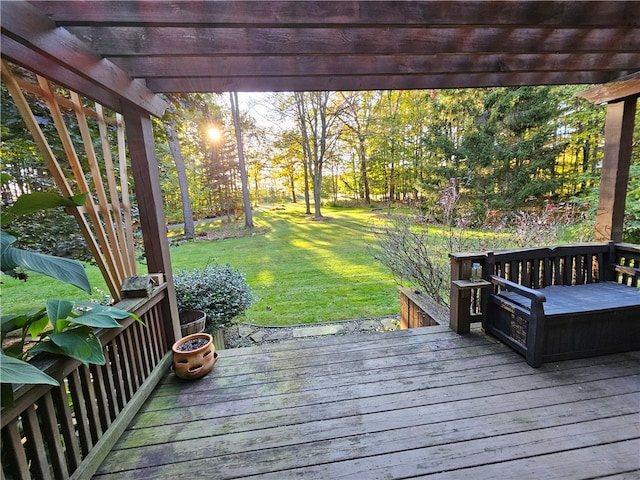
558	265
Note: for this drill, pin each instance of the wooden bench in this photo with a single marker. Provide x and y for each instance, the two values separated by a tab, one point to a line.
559	303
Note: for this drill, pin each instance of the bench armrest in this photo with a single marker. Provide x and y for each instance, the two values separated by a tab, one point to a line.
631	271
529	293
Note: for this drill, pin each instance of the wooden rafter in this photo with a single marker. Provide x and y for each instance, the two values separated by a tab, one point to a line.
342	12
614	91
27	26
183	46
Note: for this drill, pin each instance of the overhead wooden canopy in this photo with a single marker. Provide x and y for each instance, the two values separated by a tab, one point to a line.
122	53
187	46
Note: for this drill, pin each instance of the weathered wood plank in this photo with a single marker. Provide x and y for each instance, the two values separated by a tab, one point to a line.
601	460
372	415
270	65
118	41
427	405
385	454
345	400
342	12
398	81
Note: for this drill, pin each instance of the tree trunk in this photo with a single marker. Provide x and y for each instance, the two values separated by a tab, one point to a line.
174	147
299	98
246	200
363	169
292	185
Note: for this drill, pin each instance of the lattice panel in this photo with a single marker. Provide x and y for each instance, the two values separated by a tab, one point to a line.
96	165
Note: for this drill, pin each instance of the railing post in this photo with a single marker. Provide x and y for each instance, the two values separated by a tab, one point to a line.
460	296
144	166
460	300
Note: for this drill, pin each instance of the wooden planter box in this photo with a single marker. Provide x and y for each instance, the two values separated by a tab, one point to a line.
420	310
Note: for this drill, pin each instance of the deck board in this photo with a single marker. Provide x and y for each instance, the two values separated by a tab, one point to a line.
410	404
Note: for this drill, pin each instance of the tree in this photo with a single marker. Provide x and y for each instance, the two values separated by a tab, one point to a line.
235	111
357	117
316	121
174	146
515	147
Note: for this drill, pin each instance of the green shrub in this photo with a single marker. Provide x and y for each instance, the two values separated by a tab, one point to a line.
219	290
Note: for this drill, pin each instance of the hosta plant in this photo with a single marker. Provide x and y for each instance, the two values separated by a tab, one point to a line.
63	328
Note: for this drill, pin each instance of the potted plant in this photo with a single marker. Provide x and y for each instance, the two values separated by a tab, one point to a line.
194	356
219	291
61	327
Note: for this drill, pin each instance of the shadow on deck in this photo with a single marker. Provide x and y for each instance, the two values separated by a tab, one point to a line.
413	403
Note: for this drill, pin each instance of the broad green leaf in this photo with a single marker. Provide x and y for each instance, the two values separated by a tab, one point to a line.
113	312
33	202
6	239
79	343
13	370
38	324
96	319
12	322
64	269
58	310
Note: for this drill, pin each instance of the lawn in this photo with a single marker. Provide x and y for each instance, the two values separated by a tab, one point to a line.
299	269
302	270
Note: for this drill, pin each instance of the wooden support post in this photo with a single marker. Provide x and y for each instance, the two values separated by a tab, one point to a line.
147	189
615	169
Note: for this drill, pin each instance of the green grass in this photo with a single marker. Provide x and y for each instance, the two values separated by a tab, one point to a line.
17	296
302	270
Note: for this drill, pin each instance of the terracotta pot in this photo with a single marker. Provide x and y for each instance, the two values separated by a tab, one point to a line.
193	364
192	321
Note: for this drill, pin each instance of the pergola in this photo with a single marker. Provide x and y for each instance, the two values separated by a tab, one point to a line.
123	54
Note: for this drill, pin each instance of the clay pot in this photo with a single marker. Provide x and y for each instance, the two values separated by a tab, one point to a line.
196	363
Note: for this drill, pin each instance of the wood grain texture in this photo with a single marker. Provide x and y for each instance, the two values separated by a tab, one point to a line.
422	402
184	46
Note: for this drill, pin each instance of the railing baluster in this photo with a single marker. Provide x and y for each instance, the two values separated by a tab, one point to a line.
124	355
52	436
80	413
12	442
35	444
133	361
107	375
65	418
91	403
102	399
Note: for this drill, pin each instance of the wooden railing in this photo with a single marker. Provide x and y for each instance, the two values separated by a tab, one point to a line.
535	268
66	431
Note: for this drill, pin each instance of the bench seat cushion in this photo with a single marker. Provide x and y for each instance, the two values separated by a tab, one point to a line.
588	298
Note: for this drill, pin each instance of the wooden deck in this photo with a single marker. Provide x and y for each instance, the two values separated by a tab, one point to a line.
415	403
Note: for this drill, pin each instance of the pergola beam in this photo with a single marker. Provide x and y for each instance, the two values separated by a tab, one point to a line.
25	25
364	82
116	41
622	88
344	65
343	12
